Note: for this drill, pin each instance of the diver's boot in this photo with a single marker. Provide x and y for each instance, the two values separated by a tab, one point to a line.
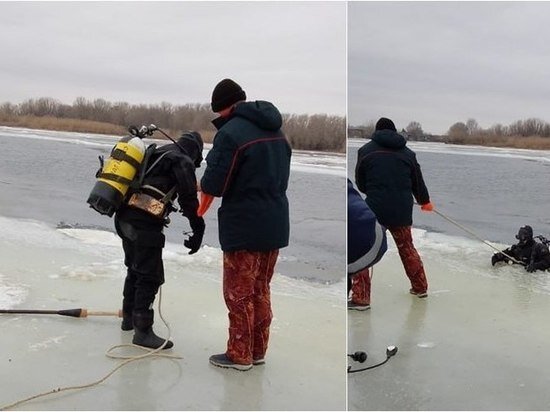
143	332
147	338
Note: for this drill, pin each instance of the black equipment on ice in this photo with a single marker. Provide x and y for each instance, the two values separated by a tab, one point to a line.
361	357
543	240
358	356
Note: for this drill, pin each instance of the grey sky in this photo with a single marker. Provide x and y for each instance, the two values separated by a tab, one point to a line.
443	62
290	53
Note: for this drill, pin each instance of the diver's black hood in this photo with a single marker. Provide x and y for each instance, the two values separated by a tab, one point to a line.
525	234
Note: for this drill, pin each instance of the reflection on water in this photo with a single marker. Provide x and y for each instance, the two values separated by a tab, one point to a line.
236	384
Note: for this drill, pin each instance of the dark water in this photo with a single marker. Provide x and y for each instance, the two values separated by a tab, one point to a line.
492	192
50	181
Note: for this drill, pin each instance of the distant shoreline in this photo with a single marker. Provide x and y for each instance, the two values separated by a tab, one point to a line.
96	127
114	130
84	126
511	142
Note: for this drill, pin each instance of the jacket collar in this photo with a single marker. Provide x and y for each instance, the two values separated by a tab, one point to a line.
218	122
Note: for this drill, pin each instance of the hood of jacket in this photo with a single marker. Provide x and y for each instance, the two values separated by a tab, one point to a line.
389	139
263	114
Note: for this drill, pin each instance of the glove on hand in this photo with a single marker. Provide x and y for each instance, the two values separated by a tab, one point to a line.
497	257
195	240
204	203
530	267
427	207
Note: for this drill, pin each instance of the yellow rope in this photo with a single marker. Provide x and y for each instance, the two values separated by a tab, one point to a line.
127	360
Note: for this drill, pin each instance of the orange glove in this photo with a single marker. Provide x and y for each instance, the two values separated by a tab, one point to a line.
427	207
204	203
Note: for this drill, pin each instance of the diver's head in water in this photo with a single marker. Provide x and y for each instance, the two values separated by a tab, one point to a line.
525	235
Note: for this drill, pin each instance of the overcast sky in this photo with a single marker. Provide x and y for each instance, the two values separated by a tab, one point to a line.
290	53
443	62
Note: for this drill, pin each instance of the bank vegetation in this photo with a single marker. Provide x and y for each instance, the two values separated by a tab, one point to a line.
320	132
522	134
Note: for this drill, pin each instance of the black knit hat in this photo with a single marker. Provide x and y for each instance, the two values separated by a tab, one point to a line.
385	124
226	93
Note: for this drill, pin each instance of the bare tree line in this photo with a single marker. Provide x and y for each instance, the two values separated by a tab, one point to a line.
460	131
316	132
413	130
306	132
531	131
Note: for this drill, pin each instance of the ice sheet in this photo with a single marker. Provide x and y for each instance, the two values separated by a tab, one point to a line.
478	342
48	268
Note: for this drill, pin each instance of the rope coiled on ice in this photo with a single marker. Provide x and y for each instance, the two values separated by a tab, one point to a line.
127	359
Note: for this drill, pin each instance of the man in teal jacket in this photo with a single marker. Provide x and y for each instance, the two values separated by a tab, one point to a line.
248	167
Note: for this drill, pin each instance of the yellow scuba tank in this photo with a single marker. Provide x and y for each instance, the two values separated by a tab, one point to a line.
116	175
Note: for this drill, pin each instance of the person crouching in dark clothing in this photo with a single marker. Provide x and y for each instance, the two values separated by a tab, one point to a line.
169	174
367	244
533	255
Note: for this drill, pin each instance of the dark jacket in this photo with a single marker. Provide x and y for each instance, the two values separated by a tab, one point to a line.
389	175
170	167
249	166
521	252
367	241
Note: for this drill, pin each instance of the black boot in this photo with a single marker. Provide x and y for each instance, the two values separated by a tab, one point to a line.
143	331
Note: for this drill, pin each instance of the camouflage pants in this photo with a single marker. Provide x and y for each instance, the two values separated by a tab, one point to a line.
410	257
360	287
246	278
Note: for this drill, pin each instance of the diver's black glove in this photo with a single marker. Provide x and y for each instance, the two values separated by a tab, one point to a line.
497	257
531	267
195	240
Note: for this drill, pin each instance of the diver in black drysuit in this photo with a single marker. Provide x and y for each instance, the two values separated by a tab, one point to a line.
534	255
172	166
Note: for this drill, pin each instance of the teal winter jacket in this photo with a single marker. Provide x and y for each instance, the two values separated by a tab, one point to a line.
249	167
